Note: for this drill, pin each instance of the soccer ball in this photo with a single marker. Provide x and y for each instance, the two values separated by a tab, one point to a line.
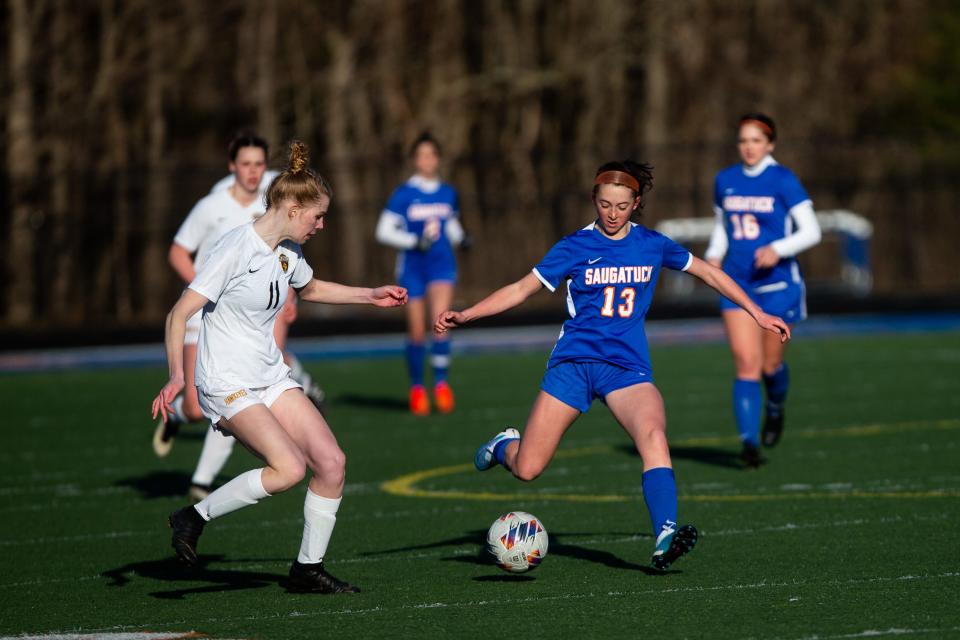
517	541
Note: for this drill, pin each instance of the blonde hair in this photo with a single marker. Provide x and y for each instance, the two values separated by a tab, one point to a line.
298	182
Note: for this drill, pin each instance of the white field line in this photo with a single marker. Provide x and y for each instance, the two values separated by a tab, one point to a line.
111	535
411	557
878	633
142	635
73	490
514	602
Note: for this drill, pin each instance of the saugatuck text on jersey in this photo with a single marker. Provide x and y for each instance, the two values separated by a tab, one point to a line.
617	275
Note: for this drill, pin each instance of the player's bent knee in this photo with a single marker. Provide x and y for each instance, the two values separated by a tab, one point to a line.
527	471
652	441
290	472
747	369
331	466
191	409
772	366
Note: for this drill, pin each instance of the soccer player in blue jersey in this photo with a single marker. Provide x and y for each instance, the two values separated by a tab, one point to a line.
421	219
764	218
610	268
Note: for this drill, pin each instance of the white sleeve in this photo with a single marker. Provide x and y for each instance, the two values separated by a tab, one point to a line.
454	231
719	242
195	228
392	231
223	183
806	235
302	274
216	272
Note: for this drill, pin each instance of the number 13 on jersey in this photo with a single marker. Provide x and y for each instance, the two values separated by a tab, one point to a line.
625	308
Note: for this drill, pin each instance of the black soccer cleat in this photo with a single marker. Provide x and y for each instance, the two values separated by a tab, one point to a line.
772	428
682	543
313	578
750	457
187	526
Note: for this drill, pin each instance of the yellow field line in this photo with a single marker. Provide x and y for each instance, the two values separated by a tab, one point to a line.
406	485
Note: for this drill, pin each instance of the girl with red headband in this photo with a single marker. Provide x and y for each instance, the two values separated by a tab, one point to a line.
764	218
610	268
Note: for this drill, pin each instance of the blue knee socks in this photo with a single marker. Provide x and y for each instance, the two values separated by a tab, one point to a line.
415	353
777	385
440	360
746	409
660	494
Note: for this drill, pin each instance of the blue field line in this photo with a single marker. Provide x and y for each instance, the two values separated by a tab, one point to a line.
501	340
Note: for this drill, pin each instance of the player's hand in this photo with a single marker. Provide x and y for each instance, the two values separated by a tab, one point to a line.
774	325
449	320
765	257
162	404
424	243
388	296
466	243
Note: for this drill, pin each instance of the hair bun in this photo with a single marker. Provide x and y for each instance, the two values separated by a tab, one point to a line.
299	156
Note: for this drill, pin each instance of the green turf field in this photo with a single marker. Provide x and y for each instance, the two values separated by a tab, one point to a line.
853	530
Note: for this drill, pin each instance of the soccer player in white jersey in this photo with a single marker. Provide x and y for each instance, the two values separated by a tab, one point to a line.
243	385
233	201
764	218
610	268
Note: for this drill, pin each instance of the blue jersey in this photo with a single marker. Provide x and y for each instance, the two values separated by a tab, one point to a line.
426	211
756	212
610	284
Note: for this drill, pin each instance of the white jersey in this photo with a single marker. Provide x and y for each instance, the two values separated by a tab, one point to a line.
228	181
246	283
212	217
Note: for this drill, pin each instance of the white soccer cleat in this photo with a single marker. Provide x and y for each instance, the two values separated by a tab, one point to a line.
483	459
164	434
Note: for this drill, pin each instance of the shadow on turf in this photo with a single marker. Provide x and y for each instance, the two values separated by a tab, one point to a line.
391	403
172	570
158	484
558	546
706	455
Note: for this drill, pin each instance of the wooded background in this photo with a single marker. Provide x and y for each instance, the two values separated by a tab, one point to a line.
116	114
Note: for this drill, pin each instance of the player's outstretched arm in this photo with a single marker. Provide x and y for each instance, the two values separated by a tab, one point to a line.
499	301
176	326
334	293
725	285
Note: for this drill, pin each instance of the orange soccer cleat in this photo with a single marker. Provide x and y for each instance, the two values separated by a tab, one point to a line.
419	402
443	396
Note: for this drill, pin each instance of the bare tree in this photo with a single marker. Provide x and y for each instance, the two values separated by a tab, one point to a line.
21	164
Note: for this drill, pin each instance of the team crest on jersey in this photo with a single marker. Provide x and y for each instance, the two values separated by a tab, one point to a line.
284	262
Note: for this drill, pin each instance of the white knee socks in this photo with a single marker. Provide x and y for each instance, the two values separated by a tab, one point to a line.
319	518
244	490
178	411
216	450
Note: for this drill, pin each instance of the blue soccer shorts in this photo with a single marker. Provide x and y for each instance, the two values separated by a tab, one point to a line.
578	383
415	274
785	299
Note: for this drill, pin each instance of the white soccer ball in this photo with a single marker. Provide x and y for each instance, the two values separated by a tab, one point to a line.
517	541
